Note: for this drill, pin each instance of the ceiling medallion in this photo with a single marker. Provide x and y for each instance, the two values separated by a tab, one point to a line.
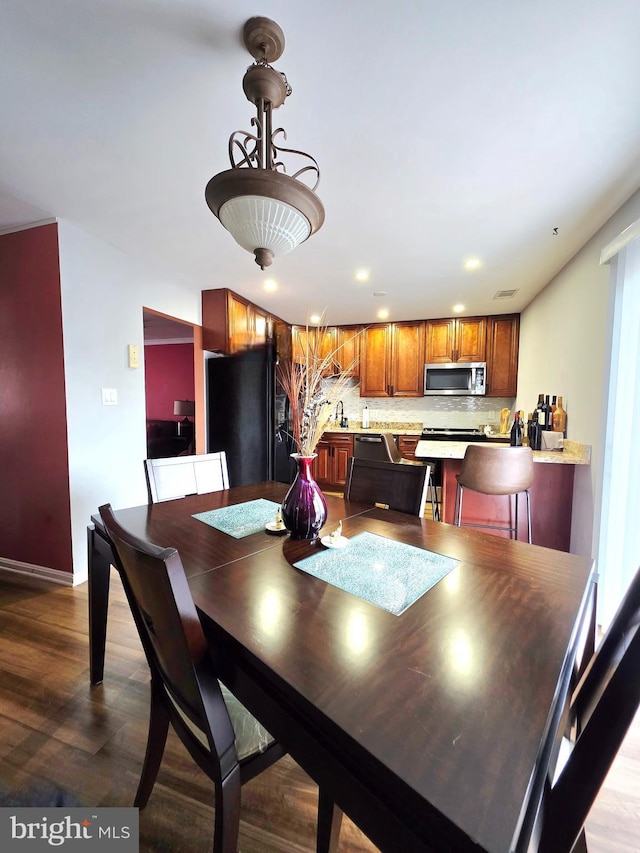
267	211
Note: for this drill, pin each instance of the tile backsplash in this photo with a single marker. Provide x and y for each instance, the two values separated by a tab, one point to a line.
446	411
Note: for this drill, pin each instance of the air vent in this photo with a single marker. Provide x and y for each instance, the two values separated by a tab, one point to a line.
505	294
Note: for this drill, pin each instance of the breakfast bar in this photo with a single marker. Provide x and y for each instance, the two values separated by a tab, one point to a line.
551	492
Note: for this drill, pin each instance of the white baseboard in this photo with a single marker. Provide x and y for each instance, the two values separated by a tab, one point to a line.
41	572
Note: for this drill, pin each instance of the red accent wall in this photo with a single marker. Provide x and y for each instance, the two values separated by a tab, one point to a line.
168	374
35	526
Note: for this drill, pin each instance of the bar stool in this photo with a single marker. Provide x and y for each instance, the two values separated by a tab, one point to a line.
495	471
394	455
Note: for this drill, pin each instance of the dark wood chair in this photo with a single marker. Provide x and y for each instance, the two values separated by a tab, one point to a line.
222	737
602	708
388	484
394	455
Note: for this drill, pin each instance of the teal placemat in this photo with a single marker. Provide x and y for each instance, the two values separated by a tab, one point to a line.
384	572
241	520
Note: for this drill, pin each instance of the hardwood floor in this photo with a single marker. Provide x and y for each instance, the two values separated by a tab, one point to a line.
55	727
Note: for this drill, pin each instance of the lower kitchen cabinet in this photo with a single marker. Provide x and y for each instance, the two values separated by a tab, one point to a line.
330	466
407	446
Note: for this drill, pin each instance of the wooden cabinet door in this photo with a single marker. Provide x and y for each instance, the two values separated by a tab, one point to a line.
321	341
341	452
407	360
239	323
440	336
320	466
348	355
450	340
503	337
375	359
471	339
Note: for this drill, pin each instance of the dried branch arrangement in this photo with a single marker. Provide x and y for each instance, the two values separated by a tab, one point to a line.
313	389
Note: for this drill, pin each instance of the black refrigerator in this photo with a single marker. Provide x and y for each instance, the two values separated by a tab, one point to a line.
247	417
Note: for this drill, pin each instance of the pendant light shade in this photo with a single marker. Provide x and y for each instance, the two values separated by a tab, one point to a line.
267	211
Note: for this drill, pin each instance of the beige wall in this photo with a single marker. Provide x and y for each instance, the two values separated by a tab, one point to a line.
565	349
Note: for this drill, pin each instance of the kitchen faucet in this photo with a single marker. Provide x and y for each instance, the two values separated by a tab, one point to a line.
343	420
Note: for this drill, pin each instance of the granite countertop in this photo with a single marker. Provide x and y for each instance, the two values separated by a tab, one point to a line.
574	453
376	427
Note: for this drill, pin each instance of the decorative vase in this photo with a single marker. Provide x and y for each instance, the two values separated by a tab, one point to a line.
304	509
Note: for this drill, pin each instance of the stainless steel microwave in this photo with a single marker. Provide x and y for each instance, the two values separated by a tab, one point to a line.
461	378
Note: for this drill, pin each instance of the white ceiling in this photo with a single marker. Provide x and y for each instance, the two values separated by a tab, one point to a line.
442	130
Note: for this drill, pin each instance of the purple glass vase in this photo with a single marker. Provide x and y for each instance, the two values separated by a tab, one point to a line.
304	509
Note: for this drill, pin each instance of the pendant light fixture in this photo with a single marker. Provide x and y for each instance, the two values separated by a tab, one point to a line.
267	211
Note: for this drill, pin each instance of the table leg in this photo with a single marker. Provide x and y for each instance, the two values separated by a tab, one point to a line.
99	565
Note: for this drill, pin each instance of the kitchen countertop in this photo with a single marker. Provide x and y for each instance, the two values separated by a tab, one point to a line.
376	427
574	453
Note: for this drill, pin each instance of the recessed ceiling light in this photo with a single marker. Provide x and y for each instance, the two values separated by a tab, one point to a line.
458	308
315	319
270	285
362	275
379	292
472	263
383	313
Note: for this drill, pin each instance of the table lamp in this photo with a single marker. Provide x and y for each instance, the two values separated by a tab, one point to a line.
186	408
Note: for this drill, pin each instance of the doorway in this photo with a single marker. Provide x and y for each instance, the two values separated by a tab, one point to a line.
173	385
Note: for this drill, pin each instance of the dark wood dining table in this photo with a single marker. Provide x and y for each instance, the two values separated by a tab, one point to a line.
434	729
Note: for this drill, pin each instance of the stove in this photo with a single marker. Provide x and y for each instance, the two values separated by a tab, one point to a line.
452	434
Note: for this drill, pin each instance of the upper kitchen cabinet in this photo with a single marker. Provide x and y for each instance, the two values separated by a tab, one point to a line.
231	323
348	356
342	343
392	360
308	341
456	339
503	337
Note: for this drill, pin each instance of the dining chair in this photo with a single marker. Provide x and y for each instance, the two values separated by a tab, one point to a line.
389	484
178	476
393	455
495	471
601	711
227	742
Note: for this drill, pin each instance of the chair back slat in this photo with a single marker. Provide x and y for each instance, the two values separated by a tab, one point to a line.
178	476
602	709
394	485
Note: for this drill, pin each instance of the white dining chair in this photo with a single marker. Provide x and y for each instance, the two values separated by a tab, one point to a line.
178	476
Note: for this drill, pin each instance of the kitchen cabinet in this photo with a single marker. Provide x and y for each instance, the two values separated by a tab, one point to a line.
322	341
231	323
456	339
348	355
392	360
330	466
342	341
503	335
407	446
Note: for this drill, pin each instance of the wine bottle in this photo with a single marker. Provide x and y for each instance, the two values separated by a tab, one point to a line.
560	419
535	440
546	422
527	441
516	431
553	408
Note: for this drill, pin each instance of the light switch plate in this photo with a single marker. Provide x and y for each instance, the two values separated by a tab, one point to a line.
134	356
109	397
